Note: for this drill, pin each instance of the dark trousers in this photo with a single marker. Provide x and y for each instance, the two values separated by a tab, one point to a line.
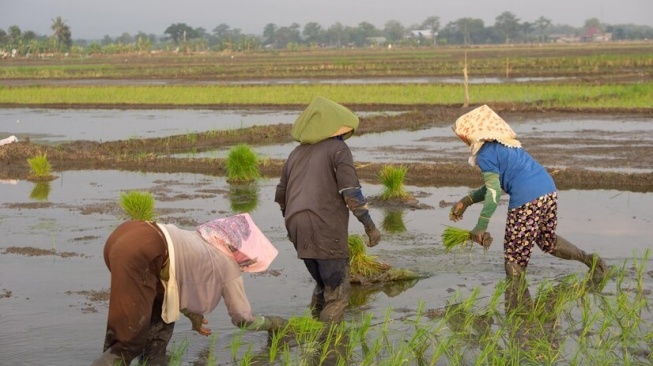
331	293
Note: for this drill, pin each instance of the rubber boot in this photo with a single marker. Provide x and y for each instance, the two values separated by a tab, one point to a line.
158	337
317	302
566	250
336	300
517	295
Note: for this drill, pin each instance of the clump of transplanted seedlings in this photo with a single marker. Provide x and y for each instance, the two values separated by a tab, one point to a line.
138	205
40	168
392	178
242	164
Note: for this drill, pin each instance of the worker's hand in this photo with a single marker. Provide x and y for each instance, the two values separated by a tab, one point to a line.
458	209
481	237
373	234
197	321
274	324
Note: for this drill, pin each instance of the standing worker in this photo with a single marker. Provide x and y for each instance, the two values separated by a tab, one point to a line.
532	210
318	187
159	271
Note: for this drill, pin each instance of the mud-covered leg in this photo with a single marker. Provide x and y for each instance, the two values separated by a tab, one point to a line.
158	338
317	301
517	295
566	250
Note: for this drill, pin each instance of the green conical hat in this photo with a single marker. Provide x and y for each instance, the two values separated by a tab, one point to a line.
323	119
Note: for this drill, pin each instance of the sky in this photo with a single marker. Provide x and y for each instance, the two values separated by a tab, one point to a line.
93	19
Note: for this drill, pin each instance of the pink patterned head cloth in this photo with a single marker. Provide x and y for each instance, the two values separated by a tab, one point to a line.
483	124
239	237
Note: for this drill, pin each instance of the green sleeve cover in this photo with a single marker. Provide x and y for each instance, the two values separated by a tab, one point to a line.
478	195
491	201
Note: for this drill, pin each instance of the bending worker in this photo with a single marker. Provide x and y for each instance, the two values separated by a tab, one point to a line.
532	210
159	271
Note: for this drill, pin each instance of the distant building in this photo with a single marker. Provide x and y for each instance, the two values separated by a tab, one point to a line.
376	41
594	34
423	35
589	35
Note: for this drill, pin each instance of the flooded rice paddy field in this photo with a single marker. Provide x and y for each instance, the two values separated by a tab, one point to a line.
53	281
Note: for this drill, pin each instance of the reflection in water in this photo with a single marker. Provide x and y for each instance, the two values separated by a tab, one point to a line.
40	192
363	294
243	197
393	221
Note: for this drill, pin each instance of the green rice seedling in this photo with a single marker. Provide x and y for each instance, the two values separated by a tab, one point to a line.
360	263
242	164
453	237
392	178
40	168
138	205
304	324
177	351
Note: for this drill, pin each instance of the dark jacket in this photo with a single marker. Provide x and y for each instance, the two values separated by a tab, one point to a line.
309	191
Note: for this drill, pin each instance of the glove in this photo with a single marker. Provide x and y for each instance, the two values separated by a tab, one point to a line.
197	321
274	324
480	236
456	213
373	234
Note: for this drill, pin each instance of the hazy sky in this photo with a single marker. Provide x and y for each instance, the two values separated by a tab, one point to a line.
92	19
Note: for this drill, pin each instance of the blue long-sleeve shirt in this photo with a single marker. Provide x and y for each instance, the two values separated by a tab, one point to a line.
521	176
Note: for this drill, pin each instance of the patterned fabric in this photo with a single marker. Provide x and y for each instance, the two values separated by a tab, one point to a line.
529	224
239	238
483	124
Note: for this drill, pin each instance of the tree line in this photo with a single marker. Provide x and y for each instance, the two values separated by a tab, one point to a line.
507	29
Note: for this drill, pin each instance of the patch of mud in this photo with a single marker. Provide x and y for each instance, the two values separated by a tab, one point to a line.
5	294
85	238
28	205
92	298
37	252
154	154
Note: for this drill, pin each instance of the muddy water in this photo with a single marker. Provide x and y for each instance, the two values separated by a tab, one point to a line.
52	274
591	140
48	315
51	126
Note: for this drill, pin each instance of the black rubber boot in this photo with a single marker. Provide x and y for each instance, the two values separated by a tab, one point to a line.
566	250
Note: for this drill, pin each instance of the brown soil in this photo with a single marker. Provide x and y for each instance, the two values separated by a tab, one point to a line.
153	155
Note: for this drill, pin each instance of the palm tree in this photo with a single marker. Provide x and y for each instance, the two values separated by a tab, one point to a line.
61	31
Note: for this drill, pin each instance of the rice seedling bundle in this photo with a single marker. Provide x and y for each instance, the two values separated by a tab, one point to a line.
360	263
392	179
305	324
138	205
40	168
454	237
242	164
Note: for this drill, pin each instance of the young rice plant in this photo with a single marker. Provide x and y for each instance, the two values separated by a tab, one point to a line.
392	178
138	205
242	164
40	168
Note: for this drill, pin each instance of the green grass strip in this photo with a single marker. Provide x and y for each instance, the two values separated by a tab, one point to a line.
546	95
